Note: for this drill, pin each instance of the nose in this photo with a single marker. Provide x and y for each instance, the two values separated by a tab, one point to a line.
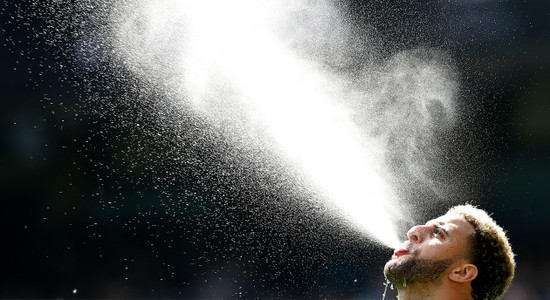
417	233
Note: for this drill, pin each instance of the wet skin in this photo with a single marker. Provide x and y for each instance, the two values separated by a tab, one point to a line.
443	238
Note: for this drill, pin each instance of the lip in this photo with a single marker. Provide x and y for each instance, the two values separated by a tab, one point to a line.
404	249
401	251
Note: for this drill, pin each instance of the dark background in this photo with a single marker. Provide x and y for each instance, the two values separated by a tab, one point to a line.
103	197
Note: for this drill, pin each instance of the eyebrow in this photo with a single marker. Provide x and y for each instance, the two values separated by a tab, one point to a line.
438	226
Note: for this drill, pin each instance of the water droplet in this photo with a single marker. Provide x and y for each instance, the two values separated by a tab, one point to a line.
385	289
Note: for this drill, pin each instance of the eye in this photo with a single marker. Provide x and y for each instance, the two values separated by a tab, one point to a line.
438	232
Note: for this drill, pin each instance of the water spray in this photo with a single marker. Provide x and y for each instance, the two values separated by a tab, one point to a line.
221	46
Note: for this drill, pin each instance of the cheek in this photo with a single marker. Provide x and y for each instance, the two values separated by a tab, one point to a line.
434	250
434	243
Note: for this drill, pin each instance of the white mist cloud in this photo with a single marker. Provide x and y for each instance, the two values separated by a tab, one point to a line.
224	56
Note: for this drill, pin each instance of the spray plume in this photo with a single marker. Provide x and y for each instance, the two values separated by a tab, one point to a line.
215	51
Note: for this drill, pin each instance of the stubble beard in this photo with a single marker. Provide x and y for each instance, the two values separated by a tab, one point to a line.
413	271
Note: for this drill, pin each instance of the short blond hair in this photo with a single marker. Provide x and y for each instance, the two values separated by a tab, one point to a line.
490	251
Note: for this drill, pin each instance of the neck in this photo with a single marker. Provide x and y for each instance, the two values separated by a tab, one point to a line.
434	292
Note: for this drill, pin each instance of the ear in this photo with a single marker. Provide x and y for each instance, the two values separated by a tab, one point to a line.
463	273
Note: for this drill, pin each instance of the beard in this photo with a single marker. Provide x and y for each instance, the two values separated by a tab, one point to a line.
412	271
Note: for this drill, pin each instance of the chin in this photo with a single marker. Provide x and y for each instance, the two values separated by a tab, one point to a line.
391	263
396	261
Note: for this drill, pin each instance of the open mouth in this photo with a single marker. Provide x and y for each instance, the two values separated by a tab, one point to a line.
400	252
405	248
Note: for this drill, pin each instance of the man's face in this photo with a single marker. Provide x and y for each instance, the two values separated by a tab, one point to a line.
429	251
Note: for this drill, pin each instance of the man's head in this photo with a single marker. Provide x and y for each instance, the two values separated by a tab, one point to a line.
464	250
